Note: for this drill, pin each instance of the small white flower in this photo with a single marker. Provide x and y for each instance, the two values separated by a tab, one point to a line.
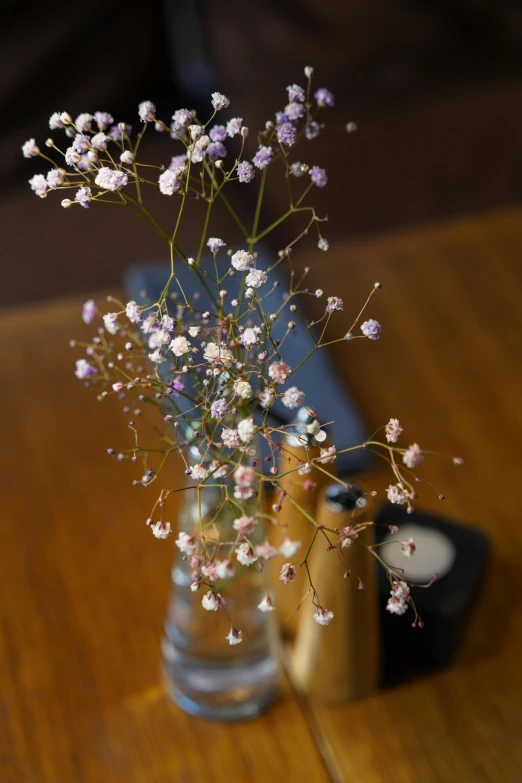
397	494
89	311
168	182
287	573
84	370
133	312
179	346
157	357
83	122
99	141
279	372
230	438
110	322
323	616
39	185
243	389
194	331
29	149
266	604
198	472
327	455
147	111
127	158
244	476
305	469
392	430
246	429
334	303
186	543
289	548
256	278
408	547
293	397
211	601
224	569
400	590
266	551
55	178
242	261
413	456
219	101
245	554
216	353
245	526
234	637
266	397
111	179
161	529
396	606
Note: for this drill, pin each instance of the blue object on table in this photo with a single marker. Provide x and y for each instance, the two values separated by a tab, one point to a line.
324	390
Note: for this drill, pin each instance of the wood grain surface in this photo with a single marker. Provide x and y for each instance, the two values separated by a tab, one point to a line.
83	585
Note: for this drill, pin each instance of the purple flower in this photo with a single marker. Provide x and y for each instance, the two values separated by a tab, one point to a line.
89	311
218	409
178	386
318	176
177	162
262	157
281	117
84	369
55	178
245	172
116	133
103	119
182	117
333	304
295	93
371	329
218	133
297	169
83	196
286	134
294	111
147	111
111	179
80	143
324	97
83	122
214	244
216	150
168	323
312	130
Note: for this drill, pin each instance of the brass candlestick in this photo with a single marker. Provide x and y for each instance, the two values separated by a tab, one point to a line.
340	662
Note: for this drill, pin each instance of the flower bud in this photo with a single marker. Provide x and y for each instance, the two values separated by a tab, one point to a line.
65	118
66	203
244	131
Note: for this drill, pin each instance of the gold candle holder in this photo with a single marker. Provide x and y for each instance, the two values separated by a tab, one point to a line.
340	662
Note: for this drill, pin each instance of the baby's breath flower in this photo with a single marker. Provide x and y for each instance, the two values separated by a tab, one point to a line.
408	547
293	398
83	196
397	494
246	429
157	356
179	346
55	178
286	134
266	604
296	93
234	127
245	554
245	171
182	117
279	372
133	312
262	157
185	543
243	389
256	278
230	438
161	529
371	329
198	472
89	311
39	185
323	244
234	636
245	526
266	551
413	456
110	321
83	122
111	179
84	369
328	455
99	141
323	616
289	548
127	158
103	119
168	182
324	97
55	121
211	601
318	176
214	243
219	101
334	303
287	573
147	111
29	149
242	260
266	397
393	430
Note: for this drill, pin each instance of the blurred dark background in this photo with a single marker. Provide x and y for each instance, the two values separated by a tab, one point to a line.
433	85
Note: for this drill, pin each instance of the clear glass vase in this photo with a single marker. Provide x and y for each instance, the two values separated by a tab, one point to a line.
206	676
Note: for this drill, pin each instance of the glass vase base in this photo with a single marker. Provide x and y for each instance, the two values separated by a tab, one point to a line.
221	693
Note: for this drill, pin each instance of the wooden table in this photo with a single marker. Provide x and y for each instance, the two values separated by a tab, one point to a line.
84	585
